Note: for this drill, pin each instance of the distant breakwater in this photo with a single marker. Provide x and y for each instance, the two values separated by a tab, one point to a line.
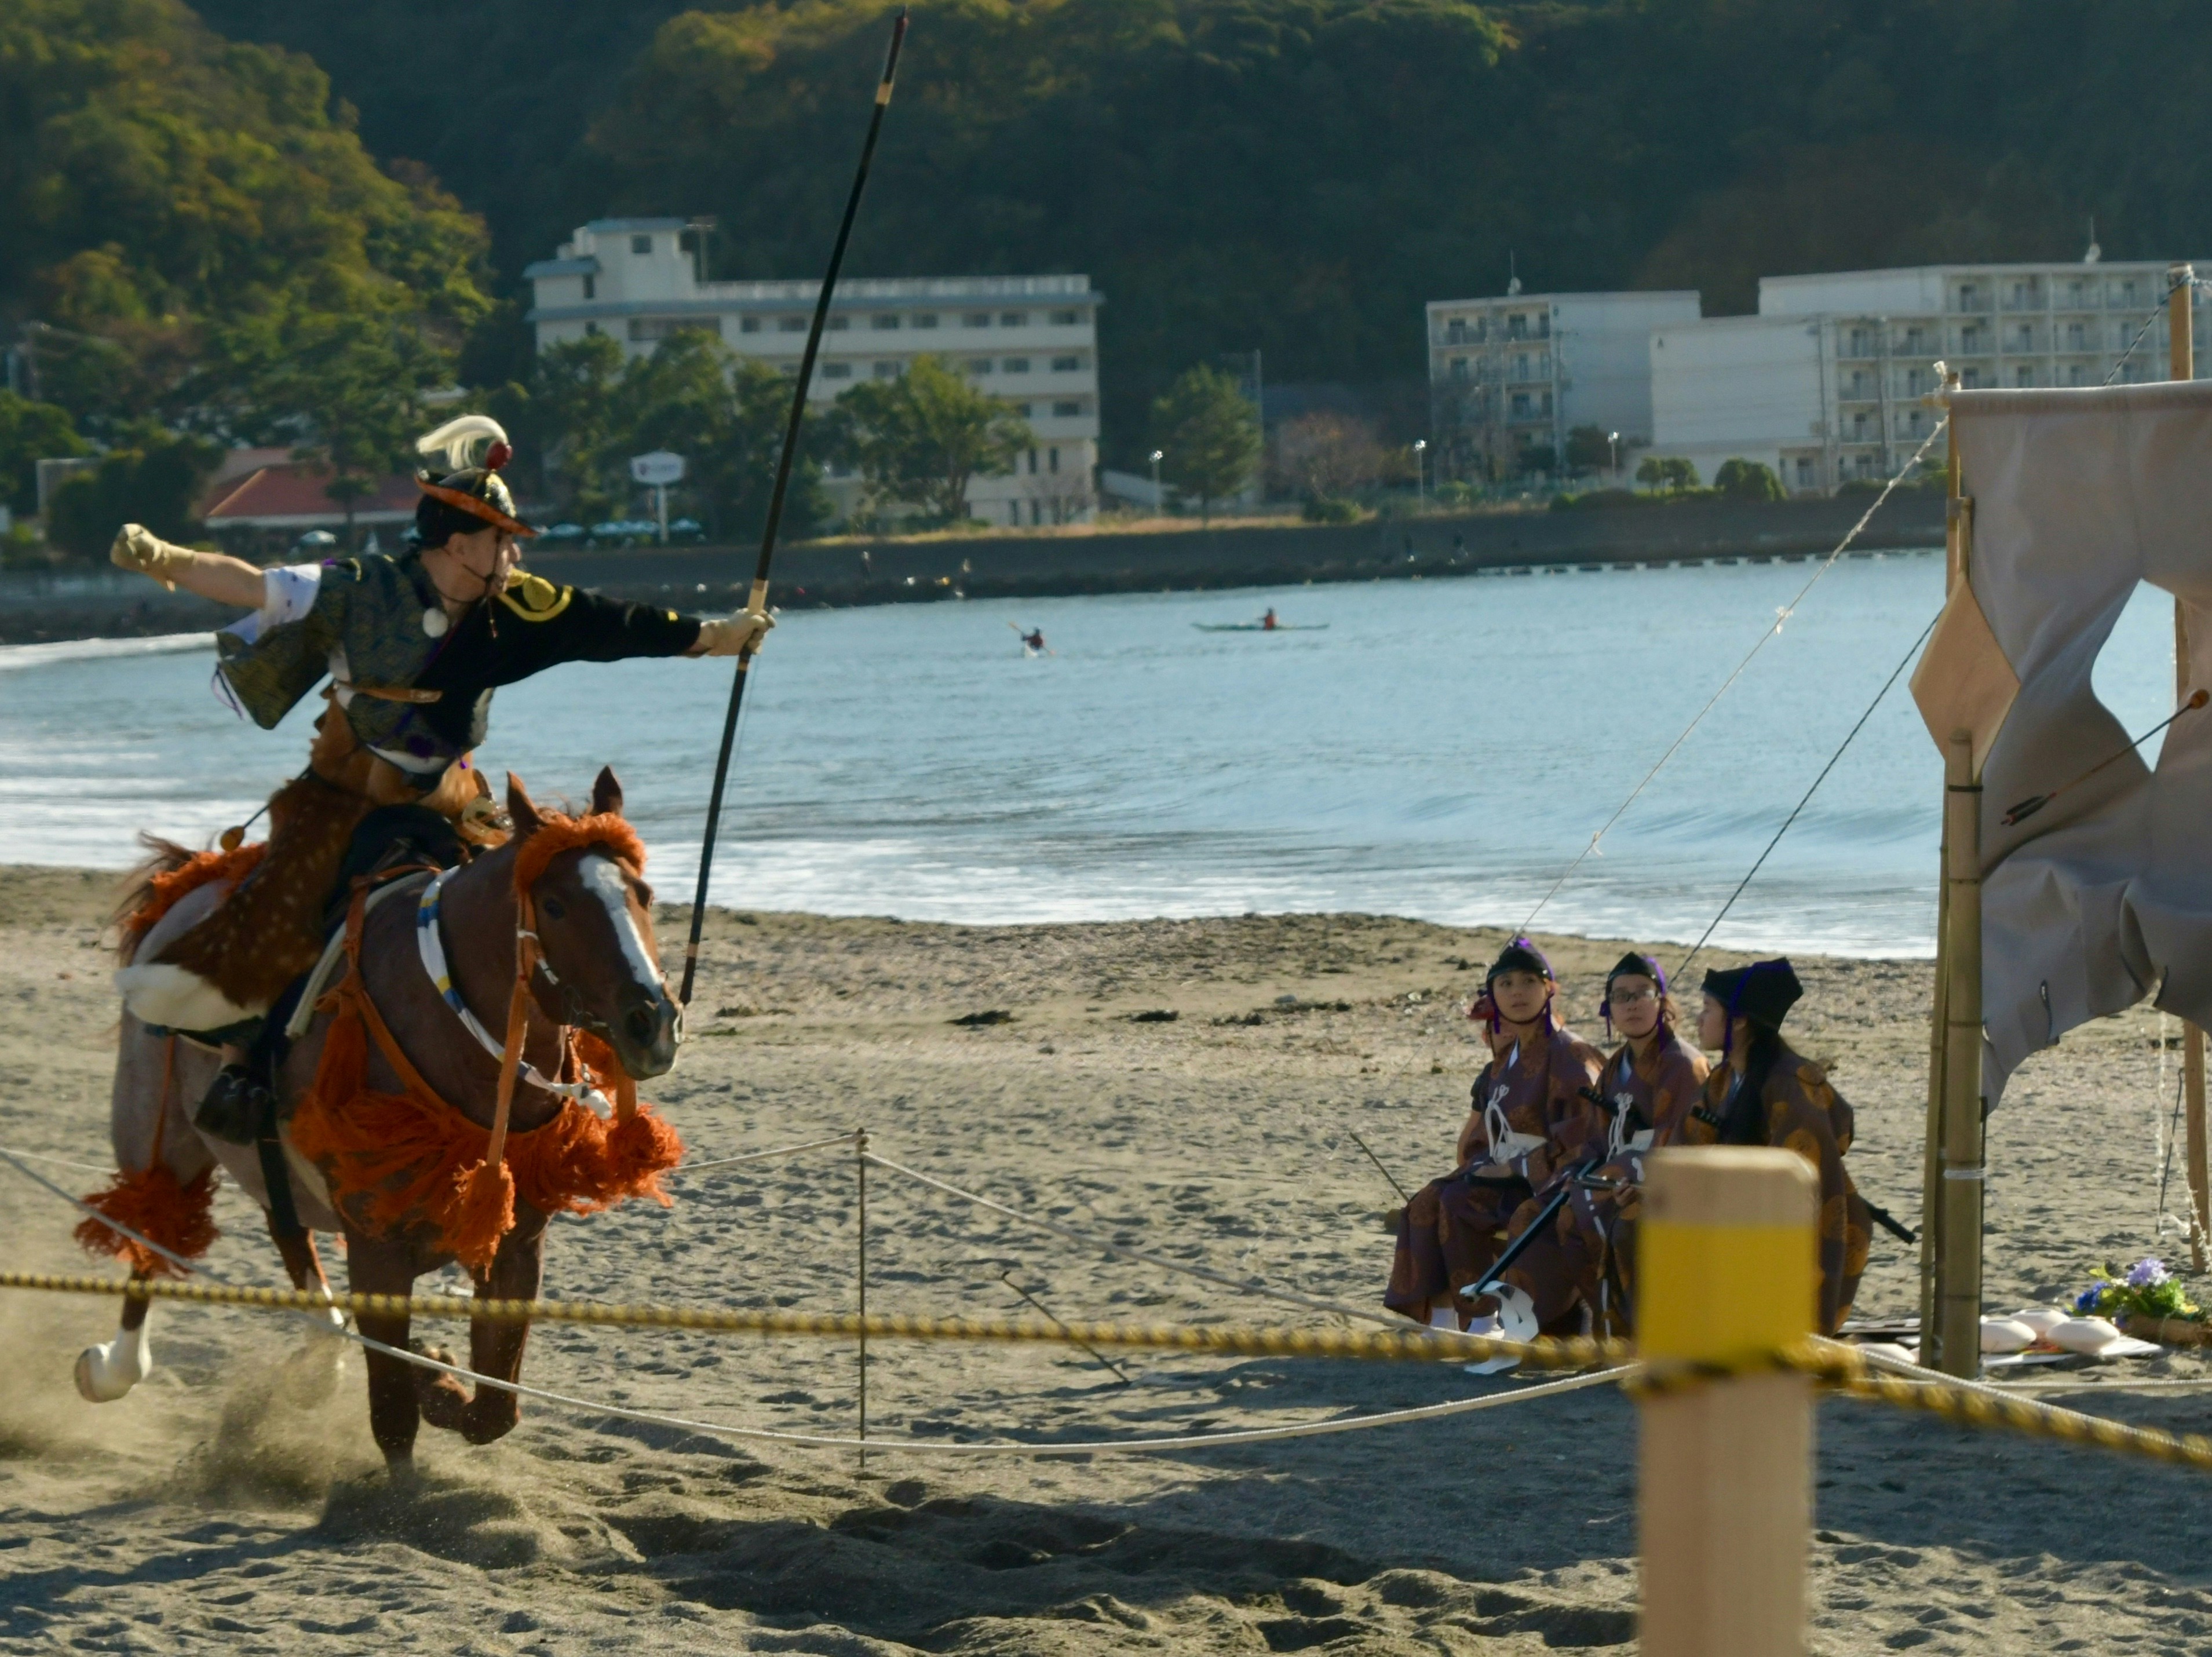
107	604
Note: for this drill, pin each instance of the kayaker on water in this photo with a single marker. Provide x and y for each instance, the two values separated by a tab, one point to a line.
1267	622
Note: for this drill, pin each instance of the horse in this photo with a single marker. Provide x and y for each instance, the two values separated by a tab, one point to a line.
592	967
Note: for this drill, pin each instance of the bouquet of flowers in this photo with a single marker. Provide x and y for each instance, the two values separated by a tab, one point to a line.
2145	1290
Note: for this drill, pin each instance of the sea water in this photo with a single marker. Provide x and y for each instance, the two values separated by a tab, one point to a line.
1441	749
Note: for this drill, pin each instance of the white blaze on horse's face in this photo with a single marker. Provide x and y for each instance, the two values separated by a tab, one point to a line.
603	878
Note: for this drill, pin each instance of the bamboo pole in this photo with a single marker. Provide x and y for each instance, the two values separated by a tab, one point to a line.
1728	1268
1931	1171
1959	1281
2181	364
860	1165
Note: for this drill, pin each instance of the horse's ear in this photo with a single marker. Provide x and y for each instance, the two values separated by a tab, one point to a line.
519	810
606	792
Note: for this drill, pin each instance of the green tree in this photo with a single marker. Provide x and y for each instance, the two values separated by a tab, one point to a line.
920	439
1747	480
155	482
561	418
1210	435
726	416
1666	474
29	432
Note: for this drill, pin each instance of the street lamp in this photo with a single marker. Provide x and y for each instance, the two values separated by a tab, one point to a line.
1159	500
1420	498
1612	451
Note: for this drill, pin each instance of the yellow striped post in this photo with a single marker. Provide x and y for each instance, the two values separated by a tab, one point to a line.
1728	1271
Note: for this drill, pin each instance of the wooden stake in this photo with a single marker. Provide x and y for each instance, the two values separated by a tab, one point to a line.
2181	364
1728	1268
1957	1349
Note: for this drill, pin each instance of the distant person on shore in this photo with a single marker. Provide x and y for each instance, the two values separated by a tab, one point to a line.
1765	1094
1650	1084
414	645
1529	1120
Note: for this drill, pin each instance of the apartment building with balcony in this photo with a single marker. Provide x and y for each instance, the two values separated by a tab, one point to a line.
1030	340
1825	383
1510	376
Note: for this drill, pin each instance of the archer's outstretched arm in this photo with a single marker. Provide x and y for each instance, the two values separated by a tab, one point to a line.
214	575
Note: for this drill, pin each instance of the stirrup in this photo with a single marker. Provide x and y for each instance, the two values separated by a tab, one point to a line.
233	1108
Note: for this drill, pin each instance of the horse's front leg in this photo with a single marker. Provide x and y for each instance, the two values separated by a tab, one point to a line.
377	1266
495	1347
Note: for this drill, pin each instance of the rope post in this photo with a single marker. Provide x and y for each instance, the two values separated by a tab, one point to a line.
1958	1348
2181	364
1728	1273
860	1167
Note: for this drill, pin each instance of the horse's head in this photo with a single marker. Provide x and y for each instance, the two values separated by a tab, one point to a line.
601	966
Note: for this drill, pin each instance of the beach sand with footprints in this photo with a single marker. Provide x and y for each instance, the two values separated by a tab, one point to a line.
211	1509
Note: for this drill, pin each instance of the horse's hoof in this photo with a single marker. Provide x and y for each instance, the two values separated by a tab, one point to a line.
106	1372
443	1401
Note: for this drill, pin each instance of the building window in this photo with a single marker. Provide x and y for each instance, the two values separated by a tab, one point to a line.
1015	365
980	365
1066	411
926	319
749	324
1037	512
2075	376
884	319
797	325
1459	367
1032	462
2023	375
1966	296
1969	378
1970	339
837	324
1013	318
1023	410
641	246
1804	473
836	371
591	328
1068	318
1014	514
1067	365
1455	331
976	320
590	287
887	371
2074	341
1520	405
1052	460
1858	341
2025	338
1858	428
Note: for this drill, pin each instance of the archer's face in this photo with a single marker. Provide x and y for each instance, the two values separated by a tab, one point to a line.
1635	1006
1712	1025
1520	995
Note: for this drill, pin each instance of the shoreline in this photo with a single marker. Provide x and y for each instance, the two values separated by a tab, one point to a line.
95	601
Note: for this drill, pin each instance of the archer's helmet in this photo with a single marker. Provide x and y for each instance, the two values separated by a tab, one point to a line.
470	494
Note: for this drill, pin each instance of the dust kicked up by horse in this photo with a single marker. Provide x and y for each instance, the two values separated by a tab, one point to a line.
461	1066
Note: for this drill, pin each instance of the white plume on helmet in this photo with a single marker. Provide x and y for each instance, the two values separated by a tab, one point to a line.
461	440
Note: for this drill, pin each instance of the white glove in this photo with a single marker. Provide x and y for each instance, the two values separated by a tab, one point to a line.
732	635
138	548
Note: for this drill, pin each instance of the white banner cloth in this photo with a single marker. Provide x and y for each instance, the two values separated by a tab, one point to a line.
2105	897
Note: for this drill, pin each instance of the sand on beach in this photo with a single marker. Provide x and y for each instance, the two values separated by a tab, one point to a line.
215	1508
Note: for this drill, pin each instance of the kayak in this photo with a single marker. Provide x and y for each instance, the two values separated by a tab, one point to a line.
1255	627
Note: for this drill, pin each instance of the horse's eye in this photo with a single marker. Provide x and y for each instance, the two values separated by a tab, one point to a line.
553	909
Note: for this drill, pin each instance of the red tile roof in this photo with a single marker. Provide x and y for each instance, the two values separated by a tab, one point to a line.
291	496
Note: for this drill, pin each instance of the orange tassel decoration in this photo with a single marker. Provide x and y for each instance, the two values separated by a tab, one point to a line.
153	1203
483	1213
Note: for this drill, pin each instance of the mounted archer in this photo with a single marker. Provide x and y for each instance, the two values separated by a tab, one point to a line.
414	645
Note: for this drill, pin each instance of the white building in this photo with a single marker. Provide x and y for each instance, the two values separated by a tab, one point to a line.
1824	384
1509	378
1030	340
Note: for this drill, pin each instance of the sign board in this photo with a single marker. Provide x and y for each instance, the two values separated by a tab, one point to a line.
659	468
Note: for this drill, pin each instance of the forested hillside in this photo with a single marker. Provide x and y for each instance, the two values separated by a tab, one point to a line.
1292	175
